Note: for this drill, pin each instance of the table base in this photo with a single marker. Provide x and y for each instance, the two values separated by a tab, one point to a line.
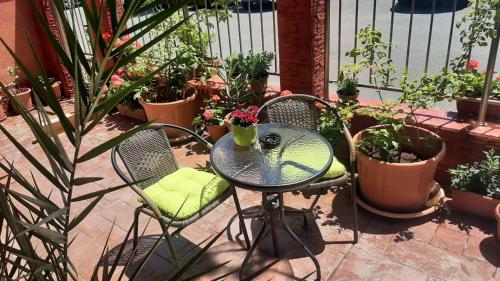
271	203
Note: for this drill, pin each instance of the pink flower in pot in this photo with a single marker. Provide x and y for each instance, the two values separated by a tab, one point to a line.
472	65
116	81
208	114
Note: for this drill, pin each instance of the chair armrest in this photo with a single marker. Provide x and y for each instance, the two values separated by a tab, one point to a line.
193	134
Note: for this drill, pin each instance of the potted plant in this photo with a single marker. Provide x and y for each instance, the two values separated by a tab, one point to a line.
2	113
476	187
395	151
234	65
471	89
244	125
23	94
347	88
55	85
257	68
212	117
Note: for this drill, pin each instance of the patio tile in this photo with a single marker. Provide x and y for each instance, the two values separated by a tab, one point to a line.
438	261
449	240
357	265
482	249
388	270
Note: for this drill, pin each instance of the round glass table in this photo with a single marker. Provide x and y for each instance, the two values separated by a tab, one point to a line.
284	158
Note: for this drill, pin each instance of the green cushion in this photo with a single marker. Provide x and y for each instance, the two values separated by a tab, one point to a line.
336	170
200	188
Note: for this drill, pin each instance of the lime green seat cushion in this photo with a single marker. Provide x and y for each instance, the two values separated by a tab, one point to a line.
200	188
336	170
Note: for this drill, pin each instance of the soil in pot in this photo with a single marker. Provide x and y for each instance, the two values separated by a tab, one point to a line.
217	131
474	203
401	187
180	113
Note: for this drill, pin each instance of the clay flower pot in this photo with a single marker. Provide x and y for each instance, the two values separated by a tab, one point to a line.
137	114
217	131
474	203
259	86
497	217
469	107
2	113
180	113
244	136
56	87
24	96
348	97
401	187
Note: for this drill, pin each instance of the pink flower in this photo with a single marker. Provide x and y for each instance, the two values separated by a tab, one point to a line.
119	43
215	98
208	114
116	81
285	93
125	38
106	36
104	89
472	65
138	45
120	71
498	78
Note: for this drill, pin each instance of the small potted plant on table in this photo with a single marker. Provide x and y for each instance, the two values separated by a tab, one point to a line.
257	68
476	187
244	125
23	94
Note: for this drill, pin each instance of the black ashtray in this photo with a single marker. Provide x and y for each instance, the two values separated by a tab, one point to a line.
269	140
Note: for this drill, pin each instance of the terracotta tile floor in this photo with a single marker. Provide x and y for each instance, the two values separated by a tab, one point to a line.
444	246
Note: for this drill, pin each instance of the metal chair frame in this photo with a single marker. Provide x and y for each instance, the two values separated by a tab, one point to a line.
155	136
301	111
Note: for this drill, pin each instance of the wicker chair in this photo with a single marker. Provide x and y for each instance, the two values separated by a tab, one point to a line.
302	111
148	157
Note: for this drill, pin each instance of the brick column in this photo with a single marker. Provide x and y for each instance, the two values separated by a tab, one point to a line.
301	35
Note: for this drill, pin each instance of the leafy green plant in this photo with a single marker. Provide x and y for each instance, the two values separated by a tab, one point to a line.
330	125
257	65
34	232
480	177
213	112
234	65
347	86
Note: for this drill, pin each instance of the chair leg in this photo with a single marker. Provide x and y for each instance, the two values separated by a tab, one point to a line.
354	205
137	212
243	228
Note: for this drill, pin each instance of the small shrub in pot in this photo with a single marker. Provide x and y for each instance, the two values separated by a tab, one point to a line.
257	68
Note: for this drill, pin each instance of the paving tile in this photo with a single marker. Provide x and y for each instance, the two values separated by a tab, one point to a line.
482	249
438	262
449	240
357	265
388	270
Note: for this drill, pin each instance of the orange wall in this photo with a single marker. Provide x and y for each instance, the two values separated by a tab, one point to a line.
16	19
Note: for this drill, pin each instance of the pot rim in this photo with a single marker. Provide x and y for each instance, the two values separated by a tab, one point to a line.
478	100
438	157
23	91
497	213
340	94
188	99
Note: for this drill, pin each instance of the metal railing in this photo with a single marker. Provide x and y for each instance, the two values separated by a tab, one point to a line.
421	34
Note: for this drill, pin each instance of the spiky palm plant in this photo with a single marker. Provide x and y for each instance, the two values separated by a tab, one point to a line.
34	231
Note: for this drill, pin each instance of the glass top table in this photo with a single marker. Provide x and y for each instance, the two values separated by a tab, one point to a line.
301	158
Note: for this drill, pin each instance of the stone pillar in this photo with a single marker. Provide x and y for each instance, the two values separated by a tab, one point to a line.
301	35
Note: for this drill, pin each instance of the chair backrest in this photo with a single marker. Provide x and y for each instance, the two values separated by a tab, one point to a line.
148	155
298	110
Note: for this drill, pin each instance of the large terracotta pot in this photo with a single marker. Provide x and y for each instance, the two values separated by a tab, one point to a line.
474	203
469	107
138	114
24	96
217	131
401	187
180	113
497	217
2	113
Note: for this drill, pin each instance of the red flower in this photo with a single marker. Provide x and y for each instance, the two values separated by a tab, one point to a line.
119	43
106	36
215	98
319	106
245	117
498	78
116	81
285	93
208	114
138	45
125	38
472	65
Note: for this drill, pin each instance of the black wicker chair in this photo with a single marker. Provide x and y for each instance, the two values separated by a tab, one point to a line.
302	111
148	157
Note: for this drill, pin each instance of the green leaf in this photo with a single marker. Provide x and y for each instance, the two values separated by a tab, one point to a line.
102	192
45	220
85	180
83	214
110	143
54	236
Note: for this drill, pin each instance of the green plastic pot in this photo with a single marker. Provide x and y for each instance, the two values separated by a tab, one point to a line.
244	136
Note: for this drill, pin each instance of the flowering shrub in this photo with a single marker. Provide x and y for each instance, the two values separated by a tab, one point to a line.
245	117
471	81
213	113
